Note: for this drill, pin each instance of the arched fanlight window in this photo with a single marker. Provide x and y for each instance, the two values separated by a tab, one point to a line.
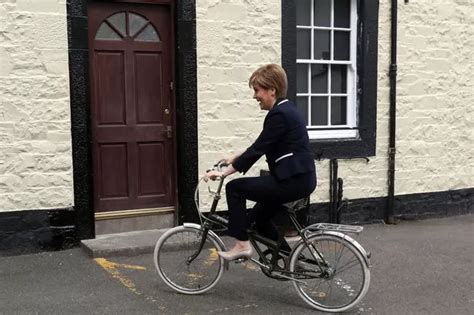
127	24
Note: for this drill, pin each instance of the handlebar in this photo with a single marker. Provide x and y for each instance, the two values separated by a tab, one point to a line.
218	166
216	194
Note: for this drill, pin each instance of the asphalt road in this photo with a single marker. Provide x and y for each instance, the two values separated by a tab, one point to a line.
418	267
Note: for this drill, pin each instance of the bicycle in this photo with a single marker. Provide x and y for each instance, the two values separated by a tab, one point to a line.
328	268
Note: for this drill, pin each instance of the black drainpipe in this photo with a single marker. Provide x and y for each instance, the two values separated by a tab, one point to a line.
389	218
333	191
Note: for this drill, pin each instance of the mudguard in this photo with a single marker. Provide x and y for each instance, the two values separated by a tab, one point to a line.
343	236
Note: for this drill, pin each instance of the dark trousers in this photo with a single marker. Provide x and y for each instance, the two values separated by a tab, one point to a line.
269	193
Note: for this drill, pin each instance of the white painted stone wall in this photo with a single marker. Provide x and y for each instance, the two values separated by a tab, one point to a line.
233	39
435	143
35	137
435	93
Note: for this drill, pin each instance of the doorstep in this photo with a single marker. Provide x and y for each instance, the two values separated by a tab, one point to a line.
136	243
122	244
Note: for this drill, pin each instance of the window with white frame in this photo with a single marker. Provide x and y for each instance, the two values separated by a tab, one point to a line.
326	67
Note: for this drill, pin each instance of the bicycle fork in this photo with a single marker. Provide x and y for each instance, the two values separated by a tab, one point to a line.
201	245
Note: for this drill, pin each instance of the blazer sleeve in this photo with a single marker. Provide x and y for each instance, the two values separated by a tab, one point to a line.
274	128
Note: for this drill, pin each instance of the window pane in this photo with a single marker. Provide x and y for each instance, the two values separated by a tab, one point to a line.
341	45
301	78
118	21
322	12
319	111
302	106
338	78
342	13
319	78
148	35
105	32
338	110
303	12
303	41
321	45
136	22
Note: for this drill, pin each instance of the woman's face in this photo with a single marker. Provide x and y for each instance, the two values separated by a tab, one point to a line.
265	97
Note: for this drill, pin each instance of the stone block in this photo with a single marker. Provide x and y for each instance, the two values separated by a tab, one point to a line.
55	62
43	6
225	12
55	197
49	31
5	62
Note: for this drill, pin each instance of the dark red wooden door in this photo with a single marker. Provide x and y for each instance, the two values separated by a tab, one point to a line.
132	106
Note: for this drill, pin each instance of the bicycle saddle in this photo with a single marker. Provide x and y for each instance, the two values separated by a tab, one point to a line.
296	205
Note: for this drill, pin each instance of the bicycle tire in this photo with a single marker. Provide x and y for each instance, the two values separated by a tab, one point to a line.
347	277
172	251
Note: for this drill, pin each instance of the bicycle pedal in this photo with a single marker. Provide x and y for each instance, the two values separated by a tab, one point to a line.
240	260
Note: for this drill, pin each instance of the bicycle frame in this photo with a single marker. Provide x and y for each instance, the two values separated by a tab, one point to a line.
213	218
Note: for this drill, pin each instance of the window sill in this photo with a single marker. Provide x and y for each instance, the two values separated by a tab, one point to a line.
333	134
342	148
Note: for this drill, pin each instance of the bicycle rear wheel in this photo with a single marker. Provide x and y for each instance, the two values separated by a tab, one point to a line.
340	283
172	255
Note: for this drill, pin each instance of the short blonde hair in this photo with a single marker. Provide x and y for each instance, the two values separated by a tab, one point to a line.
270	76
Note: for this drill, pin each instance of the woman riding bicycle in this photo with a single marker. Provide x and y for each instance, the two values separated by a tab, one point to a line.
285	143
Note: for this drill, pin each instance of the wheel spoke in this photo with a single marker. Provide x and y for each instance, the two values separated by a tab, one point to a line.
340	254
346	267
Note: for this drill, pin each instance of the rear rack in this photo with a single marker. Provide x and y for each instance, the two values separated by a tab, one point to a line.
335	227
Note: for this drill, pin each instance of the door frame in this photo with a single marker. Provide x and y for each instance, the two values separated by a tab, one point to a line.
184	96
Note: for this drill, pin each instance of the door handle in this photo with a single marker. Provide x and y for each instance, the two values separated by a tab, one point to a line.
169	132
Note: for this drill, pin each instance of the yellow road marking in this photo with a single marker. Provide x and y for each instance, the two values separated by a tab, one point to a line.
108	264
111	268
213	257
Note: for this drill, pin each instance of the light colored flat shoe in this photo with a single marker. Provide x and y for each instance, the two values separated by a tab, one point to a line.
233	255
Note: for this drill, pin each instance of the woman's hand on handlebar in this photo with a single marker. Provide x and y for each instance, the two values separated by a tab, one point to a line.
228	160
212	175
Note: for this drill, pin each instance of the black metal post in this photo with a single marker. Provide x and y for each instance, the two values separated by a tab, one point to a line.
389	218
333	191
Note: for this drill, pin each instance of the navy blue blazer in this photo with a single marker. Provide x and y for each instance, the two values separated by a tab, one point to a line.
284	141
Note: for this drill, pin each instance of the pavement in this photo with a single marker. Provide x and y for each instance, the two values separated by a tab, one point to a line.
418	267
122	244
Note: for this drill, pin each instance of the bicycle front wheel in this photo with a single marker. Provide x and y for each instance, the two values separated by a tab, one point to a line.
181	266
331	273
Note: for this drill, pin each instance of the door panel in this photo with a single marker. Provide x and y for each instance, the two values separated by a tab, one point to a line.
151	163
149	88
113	170
109	67
131	106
